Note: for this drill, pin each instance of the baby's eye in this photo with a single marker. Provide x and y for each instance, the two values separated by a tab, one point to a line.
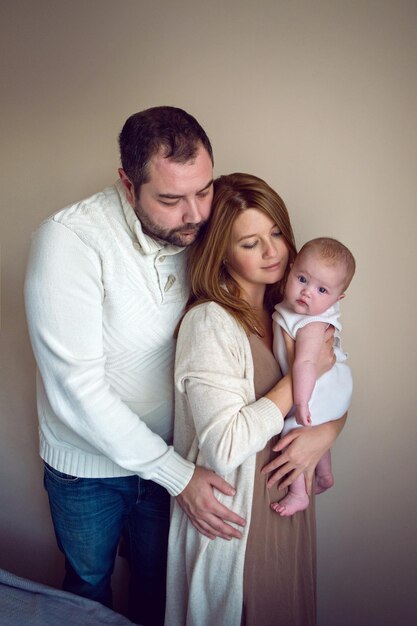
322	290
302	279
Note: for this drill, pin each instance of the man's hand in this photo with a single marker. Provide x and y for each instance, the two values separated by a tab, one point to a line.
205	512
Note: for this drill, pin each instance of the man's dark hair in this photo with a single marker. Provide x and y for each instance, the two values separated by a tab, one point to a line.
168	129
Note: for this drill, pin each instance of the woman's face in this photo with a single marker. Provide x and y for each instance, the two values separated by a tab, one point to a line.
258	253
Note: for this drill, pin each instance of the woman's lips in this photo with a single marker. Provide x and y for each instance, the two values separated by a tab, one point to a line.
272	268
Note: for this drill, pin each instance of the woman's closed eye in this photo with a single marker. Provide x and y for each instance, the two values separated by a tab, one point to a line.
249	245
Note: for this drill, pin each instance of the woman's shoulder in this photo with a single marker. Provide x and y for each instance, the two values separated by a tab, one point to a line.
208	310
211	315
210	333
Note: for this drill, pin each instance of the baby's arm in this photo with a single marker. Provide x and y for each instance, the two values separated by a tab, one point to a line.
308	344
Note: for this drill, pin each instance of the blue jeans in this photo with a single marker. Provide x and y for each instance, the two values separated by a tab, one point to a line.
90	515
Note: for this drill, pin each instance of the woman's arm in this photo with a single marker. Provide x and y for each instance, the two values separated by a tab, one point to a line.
300	451
281	394
214	392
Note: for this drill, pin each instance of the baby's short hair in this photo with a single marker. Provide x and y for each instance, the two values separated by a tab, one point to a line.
333	252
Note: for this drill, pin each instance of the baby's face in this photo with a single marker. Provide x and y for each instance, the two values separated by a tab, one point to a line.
313	285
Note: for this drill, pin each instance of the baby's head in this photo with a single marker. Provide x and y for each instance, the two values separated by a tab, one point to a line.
319	276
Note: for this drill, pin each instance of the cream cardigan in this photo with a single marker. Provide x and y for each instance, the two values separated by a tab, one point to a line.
220	425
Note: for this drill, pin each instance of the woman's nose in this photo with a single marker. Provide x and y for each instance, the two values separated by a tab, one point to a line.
269	250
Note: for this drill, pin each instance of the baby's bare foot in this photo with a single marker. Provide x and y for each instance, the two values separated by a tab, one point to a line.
292	503
323	482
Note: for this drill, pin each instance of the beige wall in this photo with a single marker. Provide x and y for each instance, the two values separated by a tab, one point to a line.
320	99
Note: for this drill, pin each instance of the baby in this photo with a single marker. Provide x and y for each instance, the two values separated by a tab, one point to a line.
316	283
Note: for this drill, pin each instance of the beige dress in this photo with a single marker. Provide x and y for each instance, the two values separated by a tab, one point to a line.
279	587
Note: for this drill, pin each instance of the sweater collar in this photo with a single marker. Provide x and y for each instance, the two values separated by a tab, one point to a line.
148	245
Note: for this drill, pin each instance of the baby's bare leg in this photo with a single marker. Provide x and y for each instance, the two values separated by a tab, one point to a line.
295	500
324	473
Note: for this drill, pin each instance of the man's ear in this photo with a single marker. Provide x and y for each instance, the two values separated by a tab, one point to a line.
128	187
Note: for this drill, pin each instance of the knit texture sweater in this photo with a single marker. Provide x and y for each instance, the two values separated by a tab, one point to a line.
218	424
102	301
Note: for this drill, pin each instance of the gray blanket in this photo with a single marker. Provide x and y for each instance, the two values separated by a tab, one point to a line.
24	602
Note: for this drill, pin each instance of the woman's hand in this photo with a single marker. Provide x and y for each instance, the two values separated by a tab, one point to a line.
300	451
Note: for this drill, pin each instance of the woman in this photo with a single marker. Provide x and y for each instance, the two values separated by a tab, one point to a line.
230	403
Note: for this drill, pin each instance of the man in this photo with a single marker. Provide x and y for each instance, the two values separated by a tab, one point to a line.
104	291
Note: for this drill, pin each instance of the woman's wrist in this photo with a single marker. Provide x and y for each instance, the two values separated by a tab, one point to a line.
281	394
329	431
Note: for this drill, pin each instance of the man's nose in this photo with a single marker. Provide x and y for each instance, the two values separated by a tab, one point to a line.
192	214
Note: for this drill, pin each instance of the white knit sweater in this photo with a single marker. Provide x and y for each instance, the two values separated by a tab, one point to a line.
102	302
220	425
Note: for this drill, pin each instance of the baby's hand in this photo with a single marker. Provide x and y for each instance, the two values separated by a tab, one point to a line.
302	415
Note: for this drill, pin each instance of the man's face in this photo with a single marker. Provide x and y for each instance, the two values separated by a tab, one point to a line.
176	201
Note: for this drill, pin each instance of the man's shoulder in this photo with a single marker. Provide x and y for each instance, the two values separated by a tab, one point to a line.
99	220
91	210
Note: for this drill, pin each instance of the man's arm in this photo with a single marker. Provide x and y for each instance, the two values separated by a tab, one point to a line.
64	295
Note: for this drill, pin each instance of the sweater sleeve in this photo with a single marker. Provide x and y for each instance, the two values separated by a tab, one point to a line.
215	383
64	298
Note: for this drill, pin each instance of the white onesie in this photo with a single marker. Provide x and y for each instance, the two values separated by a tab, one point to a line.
332	393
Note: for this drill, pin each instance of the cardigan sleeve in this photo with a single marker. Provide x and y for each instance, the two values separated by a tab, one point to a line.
64	303
214	379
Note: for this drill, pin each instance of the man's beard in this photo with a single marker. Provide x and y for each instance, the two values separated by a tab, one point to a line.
174	236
